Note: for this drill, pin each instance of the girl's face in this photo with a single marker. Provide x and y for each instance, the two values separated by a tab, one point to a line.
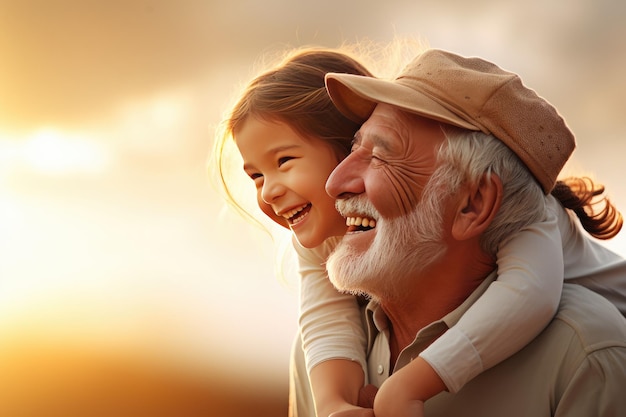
290	174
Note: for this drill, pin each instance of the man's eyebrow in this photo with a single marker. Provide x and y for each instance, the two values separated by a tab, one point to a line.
376	140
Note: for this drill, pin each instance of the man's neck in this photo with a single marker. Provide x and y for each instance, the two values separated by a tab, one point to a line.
435	293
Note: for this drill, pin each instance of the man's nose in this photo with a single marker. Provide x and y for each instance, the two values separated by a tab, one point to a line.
272	189
345	180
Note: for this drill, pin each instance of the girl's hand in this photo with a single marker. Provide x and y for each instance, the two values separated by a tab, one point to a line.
366	404
367	395
355	412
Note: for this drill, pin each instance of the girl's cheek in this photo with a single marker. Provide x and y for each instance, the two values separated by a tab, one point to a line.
269	212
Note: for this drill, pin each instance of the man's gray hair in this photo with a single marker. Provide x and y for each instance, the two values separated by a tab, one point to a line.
469	155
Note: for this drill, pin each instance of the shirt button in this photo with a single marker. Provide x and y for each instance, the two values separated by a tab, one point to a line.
380	369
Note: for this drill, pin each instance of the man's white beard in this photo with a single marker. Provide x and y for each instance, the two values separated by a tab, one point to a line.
401	248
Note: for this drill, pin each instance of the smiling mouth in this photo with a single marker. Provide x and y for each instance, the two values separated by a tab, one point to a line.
298	214
360	224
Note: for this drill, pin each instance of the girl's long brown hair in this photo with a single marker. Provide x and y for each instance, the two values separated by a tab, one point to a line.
595	211
292	92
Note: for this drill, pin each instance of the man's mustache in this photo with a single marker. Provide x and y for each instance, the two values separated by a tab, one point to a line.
358	204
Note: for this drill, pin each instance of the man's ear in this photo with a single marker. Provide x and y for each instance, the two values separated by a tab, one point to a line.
477	207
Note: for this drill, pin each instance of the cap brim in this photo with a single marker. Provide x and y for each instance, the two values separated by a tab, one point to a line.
356	97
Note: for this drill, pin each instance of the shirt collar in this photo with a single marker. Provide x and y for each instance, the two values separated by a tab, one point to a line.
377	320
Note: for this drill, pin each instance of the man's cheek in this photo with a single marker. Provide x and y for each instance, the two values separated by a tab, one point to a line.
402	196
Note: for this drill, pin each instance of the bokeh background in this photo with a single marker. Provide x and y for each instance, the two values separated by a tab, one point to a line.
127	288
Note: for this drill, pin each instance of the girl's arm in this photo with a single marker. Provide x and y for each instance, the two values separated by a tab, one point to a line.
588	262
335	384
514	309
332	333
530	276
403	393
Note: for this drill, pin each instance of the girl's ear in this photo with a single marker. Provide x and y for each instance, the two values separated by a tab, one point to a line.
477	207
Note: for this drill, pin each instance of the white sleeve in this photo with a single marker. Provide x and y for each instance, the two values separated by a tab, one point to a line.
588	262
513	310
330	322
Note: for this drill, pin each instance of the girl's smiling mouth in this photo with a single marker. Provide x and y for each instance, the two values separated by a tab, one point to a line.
296	215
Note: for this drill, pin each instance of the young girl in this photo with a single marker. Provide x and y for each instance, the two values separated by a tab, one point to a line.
291	137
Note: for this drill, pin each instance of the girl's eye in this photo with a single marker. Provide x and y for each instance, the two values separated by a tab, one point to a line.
255	175
284	159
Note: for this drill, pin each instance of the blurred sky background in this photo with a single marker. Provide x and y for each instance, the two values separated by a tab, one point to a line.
114	248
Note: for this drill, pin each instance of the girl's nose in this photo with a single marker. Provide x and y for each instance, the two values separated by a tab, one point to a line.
271	190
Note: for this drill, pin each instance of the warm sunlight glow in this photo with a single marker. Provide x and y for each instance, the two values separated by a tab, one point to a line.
50	151
128	286
162	115
10	220
167	111
54	152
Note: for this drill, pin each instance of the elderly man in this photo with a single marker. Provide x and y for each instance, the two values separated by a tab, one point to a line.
454	156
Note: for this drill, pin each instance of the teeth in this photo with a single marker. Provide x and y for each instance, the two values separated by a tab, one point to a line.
360	221
289	214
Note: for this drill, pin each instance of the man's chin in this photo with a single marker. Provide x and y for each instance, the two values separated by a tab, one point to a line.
341	265
359	242
357	272
377	262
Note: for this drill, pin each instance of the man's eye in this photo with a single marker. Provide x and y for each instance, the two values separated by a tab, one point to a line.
284	159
